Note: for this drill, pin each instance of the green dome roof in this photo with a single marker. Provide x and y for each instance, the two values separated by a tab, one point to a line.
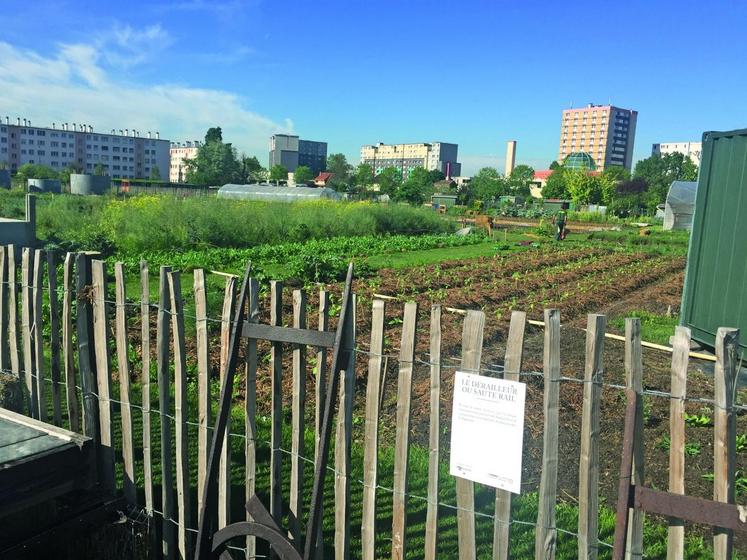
580	160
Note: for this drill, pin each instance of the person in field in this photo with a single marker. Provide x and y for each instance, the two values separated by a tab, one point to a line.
560	220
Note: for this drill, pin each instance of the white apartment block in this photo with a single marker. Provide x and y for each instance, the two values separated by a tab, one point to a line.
406	157
691	149
124	154
177	154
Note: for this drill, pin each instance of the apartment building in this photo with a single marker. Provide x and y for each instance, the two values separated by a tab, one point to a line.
177	154
691	149
406	157
605	132
123	153
291	152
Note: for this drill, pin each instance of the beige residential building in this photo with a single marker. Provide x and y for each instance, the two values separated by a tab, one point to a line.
691	149
605	132
178	153
406	157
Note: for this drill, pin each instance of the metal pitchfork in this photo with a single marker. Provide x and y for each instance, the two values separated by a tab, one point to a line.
264	526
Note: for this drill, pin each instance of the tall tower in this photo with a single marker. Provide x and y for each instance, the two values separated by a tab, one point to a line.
510	156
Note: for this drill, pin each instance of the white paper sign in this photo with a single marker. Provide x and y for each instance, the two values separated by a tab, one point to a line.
487	430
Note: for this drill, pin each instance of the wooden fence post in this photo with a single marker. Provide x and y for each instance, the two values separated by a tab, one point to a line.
145	380
37	335
320	397
163	334
183	487
103	375
11	257
342	443
680	358
71	394
224	472
4	357
54	335
297	420
26	319
725	433
547	533
588	473
472	334
434	435
371	438
511	371
86	356
203	384
402	437
123	372
250	427
276	365
634	380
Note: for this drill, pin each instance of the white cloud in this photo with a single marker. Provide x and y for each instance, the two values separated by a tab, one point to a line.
124	46
74	86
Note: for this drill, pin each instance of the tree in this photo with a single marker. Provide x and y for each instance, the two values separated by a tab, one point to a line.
416	188
214	134
487	185
155	173
609	179
278	173
436	175
99	170
338	165
389	181
554	165
520	179
556	185
65	173
33	171
659	171
303	174
250	170
214	164
364	175
583	187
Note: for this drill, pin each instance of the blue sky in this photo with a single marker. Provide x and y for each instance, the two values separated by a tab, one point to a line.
351	73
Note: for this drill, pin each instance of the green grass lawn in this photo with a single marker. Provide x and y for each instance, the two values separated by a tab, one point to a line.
654	328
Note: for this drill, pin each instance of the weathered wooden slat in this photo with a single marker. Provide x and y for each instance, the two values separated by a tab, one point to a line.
13	356
123	372
588	473
4	355
145	380
547	534
402	436
105	452
371	437
342	445
224	473
163	334
26	319
626	473
696	510
250	416
298	400
276	367
472	334
634	381
181	415
68	358
86	357
54	335
434	432
37	335
680	358
289	335
320	397
725	433
511	370
204	433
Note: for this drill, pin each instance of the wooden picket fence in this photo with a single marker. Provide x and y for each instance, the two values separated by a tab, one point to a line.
63	357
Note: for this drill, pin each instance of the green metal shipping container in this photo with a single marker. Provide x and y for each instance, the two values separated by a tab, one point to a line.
715	293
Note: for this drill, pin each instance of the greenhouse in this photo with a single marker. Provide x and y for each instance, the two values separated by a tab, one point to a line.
680	204
579	160
273	193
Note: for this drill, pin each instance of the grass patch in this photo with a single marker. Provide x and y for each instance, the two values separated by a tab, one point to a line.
654	328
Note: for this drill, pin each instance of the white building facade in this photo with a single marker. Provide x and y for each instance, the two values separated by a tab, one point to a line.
691	149
178	153
124	154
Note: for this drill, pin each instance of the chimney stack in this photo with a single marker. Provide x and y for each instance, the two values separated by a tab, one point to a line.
127	132
158	135
18	121
24	122
54	127
510	157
